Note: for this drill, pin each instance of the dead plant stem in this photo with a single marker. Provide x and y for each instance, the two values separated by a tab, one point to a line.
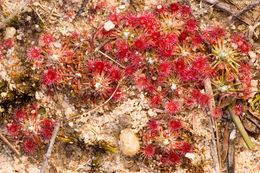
99	51
208	88
83	5
22	5
10	145
53	137
223	7
54	134
247	8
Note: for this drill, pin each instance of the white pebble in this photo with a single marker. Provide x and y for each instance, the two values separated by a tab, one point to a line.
10	32
68	111
109	25
190	156
129	142
232	134
70	124
159	7
3	94
252	54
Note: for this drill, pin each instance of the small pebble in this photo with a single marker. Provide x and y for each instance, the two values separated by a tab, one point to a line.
129	142
109	25
10	32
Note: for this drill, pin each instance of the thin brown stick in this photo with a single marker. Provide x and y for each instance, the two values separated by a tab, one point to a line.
223	7
10	145
83	5
220	5
216	146
99	51
251	31
247	8
225	142
53	137
92	110
214	150
22	5
231	152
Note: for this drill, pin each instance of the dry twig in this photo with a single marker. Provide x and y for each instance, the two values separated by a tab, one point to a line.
215	146
231	152
83	5
251	31
22	5
53	137
110	58
223	7
225	142
247	8
10	145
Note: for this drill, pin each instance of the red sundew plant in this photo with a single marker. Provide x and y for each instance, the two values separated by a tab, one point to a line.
171	107
229	60
216	112
165	50
63	65
29	128
153	47
163	143
50	77
169	57
103	79
34	53
238	110
4	46
164	53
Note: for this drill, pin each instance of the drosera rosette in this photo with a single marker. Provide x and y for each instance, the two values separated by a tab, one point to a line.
230	60
161	57
163	143
30	128
145	33
64	64
103	77
5	45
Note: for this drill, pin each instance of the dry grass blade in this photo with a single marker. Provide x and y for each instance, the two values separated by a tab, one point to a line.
231	152
215	145
251	31
225	142
252	121
10	145
54	134
223	7
247	8
53	137
122	66
83	5
220	5
214	150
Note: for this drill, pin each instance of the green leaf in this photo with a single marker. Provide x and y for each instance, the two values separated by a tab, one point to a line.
42	111
241	128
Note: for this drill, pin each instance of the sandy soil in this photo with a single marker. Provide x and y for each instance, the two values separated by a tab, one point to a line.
79	146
